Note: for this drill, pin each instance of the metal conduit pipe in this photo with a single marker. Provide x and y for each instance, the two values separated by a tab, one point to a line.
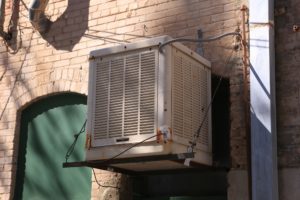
199	40
37	15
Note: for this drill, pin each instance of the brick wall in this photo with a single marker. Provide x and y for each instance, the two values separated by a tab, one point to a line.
35	65
288	104
287	63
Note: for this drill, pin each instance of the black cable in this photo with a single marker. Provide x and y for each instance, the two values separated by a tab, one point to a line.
72	148
210	103
24	4
100	185
17	75
106	39
117	155
197	135
76	136
124	151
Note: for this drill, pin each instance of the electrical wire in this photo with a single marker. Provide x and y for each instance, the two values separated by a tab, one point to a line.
199	41
106	39
197	134
18	73
117	155
132	146
24	4
76	136
72	147
101	185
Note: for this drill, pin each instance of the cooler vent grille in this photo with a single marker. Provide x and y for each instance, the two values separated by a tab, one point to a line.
125	95
189	95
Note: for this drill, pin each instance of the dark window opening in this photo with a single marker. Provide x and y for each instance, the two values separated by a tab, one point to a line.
201	184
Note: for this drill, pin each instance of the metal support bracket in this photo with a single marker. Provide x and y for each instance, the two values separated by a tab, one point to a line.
200	49
112	163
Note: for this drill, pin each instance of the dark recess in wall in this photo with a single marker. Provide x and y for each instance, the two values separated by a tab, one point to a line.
209	183
221	123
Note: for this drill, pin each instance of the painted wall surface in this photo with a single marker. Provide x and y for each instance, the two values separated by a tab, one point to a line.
35	65
263	102
47	132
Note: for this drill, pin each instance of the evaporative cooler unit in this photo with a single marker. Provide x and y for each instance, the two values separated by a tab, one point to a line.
138	92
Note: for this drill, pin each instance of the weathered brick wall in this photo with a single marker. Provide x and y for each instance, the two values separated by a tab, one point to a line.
287	71
288	95
35	65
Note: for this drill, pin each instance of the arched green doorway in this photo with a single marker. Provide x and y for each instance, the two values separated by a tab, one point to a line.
47	130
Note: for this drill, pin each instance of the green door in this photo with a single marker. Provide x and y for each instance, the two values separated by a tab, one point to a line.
47	131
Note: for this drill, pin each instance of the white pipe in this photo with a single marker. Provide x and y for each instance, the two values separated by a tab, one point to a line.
37	15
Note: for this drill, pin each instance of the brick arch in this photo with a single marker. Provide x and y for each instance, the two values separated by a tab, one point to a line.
46	84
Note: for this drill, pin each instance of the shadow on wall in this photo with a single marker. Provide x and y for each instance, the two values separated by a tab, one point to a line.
63	34
12	29
67	30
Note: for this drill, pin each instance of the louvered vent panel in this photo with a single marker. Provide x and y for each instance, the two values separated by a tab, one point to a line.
203	82
147	93
116	98
189	94
125	99
101	99
197	111
187	97
132	83
177	91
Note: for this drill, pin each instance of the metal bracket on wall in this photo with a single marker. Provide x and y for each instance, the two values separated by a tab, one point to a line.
112	164
200	49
